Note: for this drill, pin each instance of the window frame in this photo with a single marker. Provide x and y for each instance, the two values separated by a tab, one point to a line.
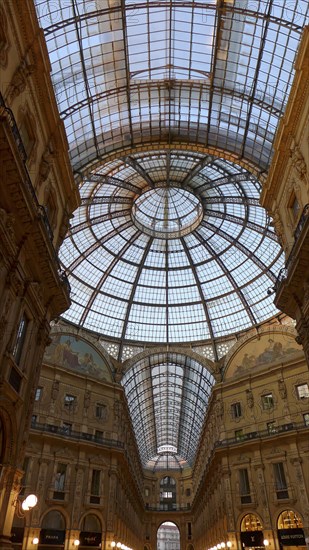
69	401
21	338
100	411
38	394
281	484
236	410
305	386
244	486
267	400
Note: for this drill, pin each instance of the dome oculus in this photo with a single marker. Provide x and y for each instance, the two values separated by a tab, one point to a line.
167	212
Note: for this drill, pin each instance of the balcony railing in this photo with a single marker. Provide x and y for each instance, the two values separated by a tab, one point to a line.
283	273
14	128
28	184
302	221
260	434
77	436
163	508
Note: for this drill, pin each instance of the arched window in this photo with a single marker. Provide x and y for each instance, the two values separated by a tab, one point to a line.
289	519
91	532
53	520
91	523
250	522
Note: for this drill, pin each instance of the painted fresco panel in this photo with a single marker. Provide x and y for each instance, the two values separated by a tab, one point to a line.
76	354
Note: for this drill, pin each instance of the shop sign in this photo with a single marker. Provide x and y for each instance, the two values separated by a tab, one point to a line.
87	538
52	536
291	537
252	538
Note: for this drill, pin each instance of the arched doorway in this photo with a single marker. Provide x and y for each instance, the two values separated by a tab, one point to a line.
168	536
52	531
91	532
290	530
251	532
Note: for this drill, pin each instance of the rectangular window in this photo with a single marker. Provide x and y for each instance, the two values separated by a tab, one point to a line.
236	410
38	394
95	487
20	338
166	494
34	419
267	401
95	482
244	486
306	419
59	484
70	401
101	411
302	391
280	481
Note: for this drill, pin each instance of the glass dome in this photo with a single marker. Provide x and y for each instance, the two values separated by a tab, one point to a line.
170	247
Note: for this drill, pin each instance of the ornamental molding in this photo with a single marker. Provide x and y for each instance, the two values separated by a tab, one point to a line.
173	350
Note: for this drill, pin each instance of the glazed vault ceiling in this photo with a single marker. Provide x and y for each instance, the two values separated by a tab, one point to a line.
166	105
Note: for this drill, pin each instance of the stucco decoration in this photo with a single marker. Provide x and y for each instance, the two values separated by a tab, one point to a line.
76	354
271	347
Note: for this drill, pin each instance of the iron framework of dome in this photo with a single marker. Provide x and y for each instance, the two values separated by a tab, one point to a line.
170	107
170	247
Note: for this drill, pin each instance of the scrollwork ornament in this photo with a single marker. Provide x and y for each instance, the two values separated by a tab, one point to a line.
298	161
19	81
282	389
250	399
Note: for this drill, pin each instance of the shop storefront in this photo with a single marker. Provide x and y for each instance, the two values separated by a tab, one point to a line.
52	534
91	533
90	539
51	537
251	532
290	530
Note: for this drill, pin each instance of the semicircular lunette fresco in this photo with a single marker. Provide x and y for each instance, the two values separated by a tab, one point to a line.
269	348
76	354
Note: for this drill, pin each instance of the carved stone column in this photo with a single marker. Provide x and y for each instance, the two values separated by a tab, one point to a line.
40	490
111	501
79	496
262	495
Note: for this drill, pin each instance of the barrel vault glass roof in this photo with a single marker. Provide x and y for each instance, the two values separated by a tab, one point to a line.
217	73
164	103
167	395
